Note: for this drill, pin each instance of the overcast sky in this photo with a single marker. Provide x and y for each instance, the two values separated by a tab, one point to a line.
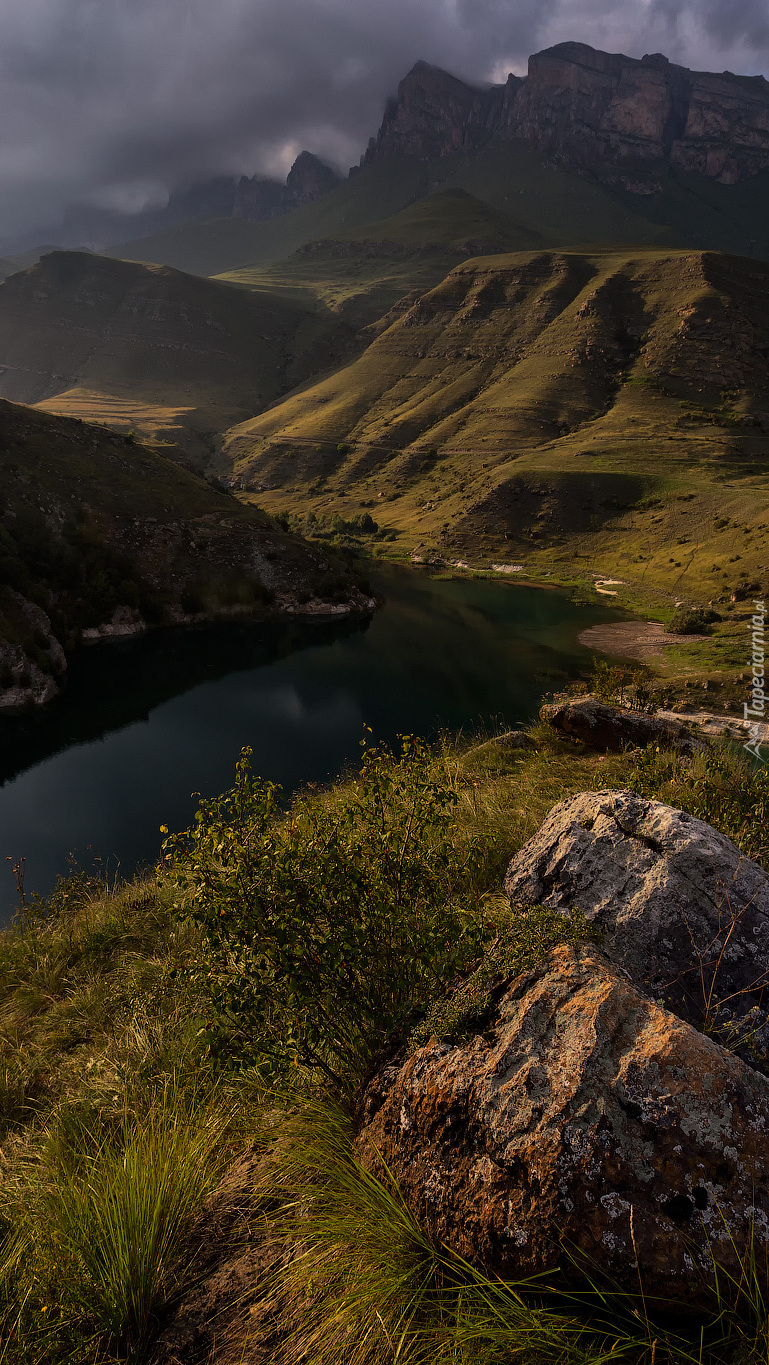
119	101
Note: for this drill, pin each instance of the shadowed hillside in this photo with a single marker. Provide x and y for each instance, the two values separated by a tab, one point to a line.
148	348
533	399
101	536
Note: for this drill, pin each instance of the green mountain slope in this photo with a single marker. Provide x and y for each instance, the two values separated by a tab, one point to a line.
534	401
216	245
363	272
561	206
101	535
148	348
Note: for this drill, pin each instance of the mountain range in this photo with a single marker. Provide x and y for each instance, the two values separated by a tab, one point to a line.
617	116
532	324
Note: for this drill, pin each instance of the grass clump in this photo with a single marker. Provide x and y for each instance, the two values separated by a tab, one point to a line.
719	785
365	1285
101	1246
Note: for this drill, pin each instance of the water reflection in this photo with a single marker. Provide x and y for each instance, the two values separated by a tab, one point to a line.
145	725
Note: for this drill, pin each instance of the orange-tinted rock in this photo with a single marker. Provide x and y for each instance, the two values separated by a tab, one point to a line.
583	1110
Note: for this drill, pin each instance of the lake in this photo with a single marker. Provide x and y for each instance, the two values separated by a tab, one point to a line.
145	724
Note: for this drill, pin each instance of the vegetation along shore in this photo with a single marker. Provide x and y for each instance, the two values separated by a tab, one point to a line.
202	1069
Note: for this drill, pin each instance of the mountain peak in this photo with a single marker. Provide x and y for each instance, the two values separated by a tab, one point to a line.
310	178
622	118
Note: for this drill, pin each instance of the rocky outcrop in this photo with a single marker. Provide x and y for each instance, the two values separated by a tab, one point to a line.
309	179
610	728
434	115
680	908
583	1114
32	661
618	116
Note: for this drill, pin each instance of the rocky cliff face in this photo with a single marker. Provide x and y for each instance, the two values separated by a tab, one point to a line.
309	179
616	115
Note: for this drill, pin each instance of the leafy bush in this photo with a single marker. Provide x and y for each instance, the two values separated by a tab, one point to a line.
693	621
326	928
624	686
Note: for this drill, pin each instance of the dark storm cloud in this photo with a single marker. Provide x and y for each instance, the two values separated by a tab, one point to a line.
120	101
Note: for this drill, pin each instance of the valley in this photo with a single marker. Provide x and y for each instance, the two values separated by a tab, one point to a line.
606	410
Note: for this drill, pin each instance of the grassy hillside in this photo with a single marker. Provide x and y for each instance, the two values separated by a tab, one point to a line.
363	272
129	1017
549	407
559	206
148	348
99	534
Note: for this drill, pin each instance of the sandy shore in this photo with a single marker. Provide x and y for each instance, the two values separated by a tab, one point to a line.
641	640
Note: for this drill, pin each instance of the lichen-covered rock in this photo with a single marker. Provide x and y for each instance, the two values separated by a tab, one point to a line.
583	1112
680	908
608	727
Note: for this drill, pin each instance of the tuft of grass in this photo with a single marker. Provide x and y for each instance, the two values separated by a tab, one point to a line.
101	1242
364	1284
720	786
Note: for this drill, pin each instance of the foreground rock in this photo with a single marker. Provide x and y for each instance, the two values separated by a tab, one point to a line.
586	1111
681	909
607	727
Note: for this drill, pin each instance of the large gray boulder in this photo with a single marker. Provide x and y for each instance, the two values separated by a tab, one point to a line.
680	908
582	1112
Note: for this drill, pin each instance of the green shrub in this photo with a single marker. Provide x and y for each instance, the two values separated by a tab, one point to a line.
326	928
624	686
693	621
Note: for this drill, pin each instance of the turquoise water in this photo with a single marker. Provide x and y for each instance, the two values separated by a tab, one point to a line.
146	724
